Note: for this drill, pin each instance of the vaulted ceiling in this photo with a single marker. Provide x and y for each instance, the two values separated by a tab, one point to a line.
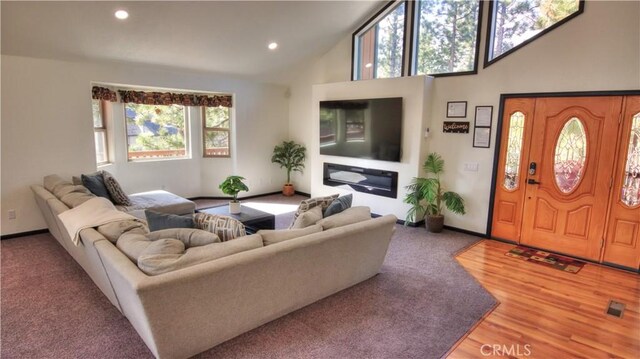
228	37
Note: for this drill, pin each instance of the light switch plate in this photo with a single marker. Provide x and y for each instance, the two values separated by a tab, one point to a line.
471	166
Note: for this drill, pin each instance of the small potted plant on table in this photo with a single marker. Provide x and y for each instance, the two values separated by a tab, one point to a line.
291	156
427	196
231	186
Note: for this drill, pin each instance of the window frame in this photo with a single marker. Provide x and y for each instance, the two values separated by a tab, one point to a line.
102	129
491	28
206	129
371	22
187	139
413	43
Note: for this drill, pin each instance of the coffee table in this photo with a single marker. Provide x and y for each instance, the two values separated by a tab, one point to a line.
252	218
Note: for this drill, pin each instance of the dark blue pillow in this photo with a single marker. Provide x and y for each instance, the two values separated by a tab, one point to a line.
338	205
95	183
158	221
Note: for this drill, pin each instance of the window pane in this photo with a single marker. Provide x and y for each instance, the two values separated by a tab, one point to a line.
631	184
446	36
97	113
217	117
216	143
100	138
516	21
380	48
514	151
155	131
390	44
570	155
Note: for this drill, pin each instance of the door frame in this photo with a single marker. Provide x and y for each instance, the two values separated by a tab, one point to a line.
496	152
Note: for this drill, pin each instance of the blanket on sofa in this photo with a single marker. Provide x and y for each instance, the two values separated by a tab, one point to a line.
92	213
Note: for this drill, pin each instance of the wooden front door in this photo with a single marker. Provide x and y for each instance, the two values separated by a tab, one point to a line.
566	199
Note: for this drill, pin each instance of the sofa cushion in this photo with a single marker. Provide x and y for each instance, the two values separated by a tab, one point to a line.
158	221
307	204
78	196
51	181
272	236
95	183
118	196
225	227
164	246
190	237
160	201
348	216
133	244
112	231
154	264
307	218
338	205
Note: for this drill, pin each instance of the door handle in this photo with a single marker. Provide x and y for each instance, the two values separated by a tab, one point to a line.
532	181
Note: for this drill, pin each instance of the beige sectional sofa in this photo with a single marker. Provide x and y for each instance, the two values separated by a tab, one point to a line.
186	311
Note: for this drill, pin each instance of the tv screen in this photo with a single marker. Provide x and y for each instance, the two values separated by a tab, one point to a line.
368	128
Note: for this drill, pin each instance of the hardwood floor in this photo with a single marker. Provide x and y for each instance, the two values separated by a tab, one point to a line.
548	313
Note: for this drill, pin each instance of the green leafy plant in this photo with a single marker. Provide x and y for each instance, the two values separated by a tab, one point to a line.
232	185
427	195
291	156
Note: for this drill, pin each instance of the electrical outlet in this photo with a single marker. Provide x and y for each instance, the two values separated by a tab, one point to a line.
11	214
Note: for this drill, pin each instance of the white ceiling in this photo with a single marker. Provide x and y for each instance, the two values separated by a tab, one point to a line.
218	36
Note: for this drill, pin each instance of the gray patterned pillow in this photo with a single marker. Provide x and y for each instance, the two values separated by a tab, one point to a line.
225	227
307	204
113	187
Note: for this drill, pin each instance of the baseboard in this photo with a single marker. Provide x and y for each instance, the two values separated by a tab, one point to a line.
303	194
24	234
472	233
240	198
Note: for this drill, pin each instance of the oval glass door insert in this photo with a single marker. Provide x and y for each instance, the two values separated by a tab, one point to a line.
514	151
570	155
631	179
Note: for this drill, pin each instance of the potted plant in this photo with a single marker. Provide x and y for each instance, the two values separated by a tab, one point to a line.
231	186
291	156
427	196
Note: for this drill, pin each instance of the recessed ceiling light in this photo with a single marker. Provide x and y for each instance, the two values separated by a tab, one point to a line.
368	65
273	46
121	14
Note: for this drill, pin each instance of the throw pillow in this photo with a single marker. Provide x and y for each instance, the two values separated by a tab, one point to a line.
158	221
225	227
272	236
115	191
338	205
348	216
308	218
95	183
307	204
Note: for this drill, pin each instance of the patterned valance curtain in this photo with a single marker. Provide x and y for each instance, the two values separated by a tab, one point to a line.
168	98
103	93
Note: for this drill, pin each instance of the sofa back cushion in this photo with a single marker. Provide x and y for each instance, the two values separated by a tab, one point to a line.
348	216
134	243
308	218
271	236
71	195
158	263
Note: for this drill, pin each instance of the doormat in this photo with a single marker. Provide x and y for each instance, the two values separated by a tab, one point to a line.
547	259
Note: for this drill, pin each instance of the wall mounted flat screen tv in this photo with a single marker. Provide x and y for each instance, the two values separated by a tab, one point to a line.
368	128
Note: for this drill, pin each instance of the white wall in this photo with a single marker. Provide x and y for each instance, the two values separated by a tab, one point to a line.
415	91
598	50
47	128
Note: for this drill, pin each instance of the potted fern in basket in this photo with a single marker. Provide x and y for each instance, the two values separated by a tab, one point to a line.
231	186
427	196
